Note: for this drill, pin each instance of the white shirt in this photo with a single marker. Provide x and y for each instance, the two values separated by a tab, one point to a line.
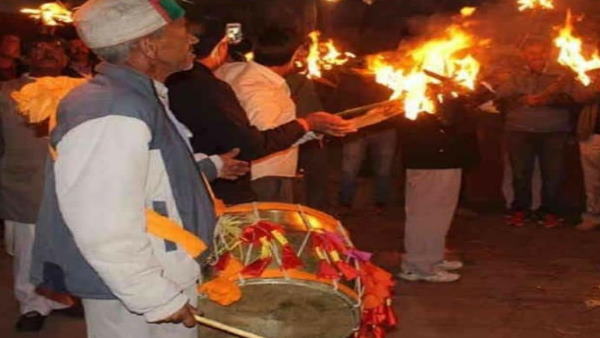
265	96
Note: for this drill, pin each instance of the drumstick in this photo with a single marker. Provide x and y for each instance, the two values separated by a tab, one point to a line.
225	327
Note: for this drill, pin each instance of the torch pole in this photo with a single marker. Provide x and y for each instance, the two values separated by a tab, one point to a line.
349	113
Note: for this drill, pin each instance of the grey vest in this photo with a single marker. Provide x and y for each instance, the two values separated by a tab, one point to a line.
57	262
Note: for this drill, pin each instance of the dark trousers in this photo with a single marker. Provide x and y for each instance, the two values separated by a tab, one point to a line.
315	166
383	146
549	148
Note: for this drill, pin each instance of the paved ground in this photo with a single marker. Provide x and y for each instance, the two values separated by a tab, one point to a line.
526	282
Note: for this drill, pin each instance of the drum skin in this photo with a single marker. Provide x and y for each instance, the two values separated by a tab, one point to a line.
287	305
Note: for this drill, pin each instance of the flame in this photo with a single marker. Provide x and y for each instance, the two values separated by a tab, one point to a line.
535	4
444	56
571	52
467	11
51	13
323	56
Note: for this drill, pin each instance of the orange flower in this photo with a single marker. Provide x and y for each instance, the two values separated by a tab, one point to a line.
221	290
39	100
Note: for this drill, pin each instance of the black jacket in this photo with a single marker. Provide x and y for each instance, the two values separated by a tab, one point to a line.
445	140
210	109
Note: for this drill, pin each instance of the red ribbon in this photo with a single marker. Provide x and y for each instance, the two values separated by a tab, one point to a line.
256	268
290	260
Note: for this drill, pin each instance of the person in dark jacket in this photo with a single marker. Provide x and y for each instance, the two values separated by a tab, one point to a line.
436	149
211	110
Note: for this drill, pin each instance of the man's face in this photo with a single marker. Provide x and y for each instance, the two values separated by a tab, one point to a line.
47	57
10	46
174	47
536	56
78	51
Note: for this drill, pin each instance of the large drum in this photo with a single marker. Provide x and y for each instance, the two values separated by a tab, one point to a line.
294	270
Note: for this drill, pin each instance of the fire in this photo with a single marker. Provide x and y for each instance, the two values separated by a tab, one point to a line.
51	13
468	11
571	52
323	56
535	4
445	56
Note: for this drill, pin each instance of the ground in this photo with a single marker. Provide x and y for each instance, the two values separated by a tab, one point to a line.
528	282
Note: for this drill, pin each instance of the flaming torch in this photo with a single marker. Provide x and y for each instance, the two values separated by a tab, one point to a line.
534	4
50	14
441	58
323	56
571	52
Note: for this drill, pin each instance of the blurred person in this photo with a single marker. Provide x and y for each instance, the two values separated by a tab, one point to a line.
10	53
210	109
22	177
379	141
588	135
124	167
436	148
537	125
81	62
265	96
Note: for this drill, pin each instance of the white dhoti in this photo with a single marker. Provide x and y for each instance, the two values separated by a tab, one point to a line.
22	237
431	199
111	319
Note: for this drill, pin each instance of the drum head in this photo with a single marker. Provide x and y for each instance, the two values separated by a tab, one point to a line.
285	309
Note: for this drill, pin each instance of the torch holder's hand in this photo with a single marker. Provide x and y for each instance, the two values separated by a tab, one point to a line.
329	124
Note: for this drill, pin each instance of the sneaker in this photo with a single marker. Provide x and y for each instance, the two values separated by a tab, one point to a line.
587	225
440	276
450	265
517	219
550	221
31	321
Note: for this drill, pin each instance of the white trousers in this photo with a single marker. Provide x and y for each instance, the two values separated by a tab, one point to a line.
110	319
22	237
431	199
590	162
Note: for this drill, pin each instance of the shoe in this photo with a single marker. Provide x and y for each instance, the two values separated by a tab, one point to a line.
440	276
550	221
31	321
517	219
450	265
587	225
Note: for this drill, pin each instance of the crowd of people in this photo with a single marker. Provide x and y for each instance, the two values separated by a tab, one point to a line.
172	121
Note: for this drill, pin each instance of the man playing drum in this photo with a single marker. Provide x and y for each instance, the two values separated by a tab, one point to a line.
121	162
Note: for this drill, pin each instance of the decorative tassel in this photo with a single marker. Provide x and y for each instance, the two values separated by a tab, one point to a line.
326	270
223	261
348	271
391	319
256	268
290	260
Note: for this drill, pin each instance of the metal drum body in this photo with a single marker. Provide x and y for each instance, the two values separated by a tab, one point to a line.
279	304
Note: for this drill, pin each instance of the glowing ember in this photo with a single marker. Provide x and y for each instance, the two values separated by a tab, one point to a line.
445	56
467	11
571	52
535	4
51	14
323	56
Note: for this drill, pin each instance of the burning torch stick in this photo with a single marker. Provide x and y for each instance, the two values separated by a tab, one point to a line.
353	112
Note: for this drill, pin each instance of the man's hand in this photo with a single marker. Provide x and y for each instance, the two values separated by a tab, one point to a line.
184	315
329	124
232	168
